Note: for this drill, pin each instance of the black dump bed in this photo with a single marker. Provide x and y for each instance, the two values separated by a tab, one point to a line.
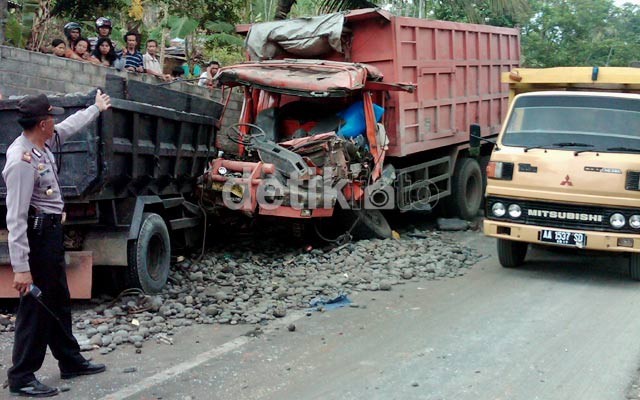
154	141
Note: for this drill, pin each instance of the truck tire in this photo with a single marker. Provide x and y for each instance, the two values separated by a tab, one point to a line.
634	266
511	254
149	255
466	189
371	224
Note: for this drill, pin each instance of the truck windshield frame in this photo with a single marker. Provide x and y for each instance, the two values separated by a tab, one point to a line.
601	123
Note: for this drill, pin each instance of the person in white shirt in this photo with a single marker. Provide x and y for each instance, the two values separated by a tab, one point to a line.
151	63
206	78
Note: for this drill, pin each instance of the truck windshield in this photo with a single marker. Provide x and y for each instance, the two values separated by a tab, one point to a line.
598	122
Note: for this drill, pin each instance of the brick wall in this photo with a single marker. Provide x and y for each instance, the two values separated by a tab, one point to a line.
25	72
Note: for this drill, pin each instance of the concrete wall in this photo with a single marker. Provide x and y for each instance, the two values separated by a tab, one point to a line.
24	72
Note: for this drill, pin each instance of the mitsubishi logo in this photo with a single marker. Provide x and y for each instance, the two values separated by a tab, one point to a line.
566	181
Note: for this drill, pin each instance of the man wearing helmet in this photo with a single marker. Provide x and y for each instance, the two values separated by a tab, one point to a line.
72	31
103	28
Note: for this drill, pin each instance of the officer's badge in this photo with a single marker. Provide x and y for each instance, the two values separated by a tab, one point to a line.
49	191
40	167
26	157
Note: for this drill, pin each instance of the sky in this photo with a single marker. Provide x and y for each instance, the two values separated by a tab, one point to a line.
621	2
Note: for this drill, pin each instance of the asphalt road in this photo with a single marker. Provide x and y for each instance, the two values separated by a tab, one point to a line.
561	327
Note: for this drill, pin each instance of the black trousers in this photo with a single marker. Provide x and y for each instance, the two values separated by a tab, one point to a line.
35	327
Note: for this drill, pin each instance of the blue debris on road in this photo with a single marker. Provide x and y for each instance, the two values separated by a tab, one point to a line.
330	304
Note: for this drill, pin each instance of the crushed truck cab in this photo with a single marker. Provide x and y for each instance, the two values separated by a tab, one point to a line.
353	113
294	159
566	167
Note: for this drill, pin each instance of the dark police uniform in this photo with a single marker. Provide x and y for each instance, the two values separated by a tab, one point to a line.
34	220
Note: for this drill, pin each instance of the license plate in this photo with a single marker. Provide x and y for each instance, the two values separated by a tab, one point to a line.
563	238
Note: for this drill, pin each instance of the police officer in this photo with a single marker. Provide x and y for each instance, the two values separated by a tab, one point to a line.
34	217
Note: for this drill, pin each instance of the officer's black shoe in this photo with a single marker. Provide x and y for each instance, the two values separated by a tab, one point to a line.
85	369
33	389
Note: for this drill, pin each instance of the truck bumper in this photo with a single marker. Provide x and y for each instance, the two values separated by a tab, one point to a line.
604	241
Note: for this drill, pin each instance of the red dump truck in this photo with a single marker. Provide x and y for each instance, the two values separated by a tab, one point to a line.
361	111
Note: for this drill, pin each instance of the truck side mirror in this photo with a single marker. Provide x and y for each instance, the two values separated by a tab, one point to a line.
474	136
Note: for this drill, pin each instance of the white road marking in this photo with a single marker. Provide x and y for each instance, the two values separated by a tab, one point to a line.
200	359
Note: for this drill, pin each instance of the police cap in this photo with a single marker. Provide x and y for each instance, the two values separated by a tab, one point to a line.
37	106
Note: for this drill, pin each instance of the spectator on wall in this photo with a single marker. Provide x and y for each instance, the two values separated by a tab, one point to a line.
190	71
73	32
177	73
206	78
151	63
104	27
104	53
133	60
59	47
81	52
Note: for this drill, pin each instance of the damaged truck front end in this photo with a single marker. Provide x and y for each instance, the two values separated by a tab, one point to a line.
308	141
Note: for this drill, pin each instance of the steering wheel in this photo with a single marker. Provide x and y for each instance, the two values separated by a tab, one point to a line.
234	133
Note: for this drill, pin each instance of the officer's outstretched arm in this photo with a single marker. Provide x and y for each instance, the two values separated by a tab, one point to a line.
81	119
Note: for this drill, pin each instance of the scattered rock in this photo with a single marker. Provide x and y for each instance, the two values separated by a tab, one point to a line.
255	281
291	328
407	273
129	370
280	311
452	224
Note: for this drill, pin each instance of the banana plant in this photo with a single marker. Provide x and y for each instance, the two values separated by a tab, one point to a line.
27	28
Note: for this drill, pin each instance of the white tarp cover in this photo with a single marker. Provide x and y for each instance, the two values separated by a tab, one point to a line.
303	37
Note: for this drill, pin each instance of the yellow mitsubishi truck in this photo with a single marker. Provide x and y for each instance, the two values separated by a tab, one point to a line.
565	170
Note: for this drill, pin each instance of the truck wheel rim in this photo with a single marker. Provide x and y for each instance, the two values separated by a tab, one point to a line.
155	256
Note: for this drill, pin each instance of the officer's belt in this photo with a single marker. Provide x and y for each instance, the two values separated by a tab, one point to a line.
41	220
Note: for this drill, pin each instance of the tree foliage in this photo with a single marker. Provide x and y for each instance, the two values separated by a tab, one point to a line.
82	10
207	10
491	12
553	32
581	33
494	12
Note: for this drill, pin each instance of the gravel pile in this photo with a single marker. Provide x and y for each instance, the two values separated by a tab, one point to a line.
254	283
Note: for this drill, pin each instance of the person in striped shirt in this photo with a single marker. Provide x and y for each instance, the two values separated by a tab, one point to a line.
133	60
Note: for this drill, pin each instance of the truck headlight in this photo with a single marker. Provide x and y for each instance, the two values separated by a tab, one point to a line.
617	220
498	209
515	211
634	221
